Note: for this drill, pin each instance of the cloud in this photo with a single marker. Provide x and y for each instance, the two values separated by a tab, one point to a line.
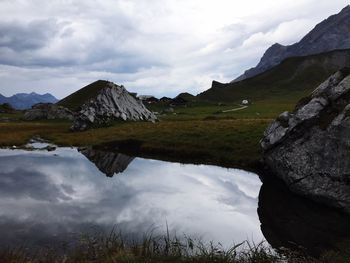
31	36
159	47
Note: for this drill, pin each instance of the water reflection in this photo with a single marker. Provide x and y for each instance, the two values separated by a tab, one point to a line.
46	197
290	221
107	162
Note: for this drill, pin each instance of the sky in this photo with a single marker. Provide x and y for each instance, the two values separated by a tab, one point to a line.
152	47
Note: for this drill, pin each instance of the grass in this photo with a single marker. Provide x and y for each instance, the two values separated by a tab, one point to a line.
114	247
75	100
197	133
228	142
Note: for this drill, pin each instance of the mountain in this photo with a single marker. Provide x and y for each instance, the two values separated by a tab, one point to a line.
186	96
78	98
292	79
331	34
22	101
103	102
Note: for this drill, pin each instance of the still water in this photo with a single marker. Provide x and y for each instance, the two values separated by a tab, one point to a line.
48	197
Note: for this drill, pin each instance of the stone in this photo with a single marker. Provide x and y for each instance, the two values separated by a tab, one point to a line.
50	148
48	111
112	103
309	149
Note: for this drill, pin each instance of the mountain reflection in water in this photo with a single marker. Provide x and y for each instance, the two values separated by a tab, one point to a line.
107	162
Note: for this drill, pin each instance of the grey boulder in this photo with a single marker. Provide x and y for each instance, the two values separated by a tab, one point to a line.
48	111
112	103
309	149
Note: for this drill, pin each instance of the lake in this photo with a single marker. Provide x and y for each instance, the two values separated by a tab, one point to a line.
48	198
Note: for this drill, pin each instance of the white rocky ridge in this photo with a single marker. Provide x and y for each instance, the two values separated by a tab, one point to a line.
112	103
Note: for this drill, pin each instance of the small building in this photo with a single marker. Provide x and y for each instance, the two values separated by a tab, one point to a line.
245	102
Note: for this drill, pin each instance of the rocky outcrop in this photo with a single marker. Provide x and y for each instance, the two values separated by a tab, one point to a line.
107	162
331	34
309	149
6	108
111	103
48	111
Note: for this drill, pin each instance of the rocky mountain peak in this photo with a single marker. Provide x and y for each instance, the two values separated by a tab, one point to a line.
112	102
331	34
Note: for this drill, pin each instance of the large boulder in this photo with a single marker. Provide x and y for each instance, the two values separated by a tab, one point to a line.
112	103
309	149
48	111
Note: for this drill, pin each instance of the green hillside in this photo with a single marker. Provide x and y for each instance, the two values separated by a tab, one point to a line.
78	98
292	79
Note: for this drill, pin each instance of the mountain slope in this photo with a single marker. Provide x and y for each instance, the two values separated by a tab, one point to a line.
23	101
186	96
292	79
78	98
331	34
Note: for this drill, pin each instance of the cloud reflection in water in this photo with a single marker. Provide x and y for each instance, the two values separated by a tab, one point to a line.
46	196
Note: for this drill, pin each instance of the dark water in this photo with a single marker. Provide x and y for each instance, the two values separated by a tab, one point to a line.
47	198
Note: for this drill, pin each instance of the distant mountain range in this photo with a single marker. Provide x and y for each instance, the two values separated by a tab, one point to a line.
22	101
331	34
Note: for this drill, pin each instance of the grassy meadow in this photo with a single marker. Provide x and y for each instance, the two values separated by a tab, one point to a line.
196	133
116	247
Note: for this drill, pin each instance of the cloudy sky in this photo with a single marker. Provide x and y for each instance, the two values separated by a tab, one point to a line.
159	47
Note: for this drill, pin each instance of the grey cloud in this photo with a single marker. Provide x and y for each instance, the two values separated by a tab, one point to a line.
23	183
108	45
19	36
150	47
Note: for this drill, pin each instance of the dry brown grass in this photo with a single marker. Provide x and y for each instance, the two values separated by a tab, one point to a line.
225	142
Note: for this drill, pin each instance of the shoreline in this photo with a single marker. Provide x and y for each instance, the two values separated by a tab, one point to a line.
225	143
